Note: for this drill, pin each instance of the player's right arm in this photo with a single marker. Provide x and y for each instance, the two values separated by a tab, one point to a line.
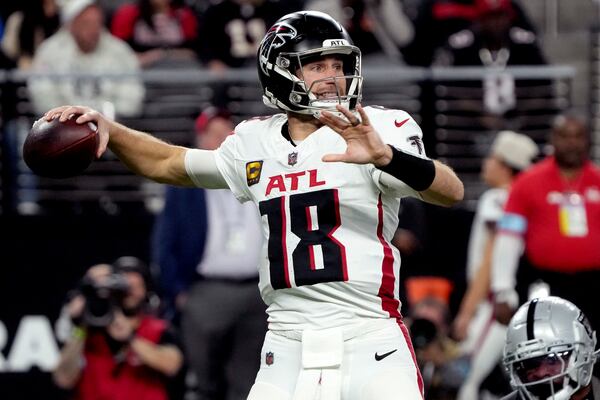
146	155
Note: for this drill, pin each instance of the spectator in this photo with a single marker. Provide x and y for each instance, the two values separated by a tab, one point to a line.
157	30
437	20
27	28
208	246
377	27
493	40
552	217
550	352
482	339
117	350
83	46
232	30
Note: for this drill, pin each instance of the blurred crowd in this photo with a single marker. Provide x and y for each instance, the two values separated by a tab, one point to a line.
535	231
225	34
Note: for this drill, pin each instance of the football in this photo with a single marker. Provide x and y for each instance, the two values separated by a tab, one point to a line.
60	149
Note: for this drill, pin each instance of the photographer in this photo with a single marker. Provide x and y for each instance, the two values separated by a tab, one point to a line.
117	350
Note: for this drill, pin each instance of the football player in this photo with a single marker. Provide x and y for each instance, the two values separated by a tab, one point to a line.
550	352
327	176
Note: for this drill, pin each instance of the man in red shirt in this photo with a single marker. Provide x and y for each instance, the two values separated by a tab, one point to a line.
552	218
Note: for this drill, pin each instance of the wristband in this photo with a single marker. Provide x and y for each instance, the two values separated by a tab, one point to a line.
416	172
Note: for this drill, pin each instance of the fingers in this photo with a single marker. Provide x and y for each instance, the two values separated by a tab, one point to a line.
85	115
70	111
363	115
340	124
65	112
54	113
334	158
103	129
335	123
102	145
352	119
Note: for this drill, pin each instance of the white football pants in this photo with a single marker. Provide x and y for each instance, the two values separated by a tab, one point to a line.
369	363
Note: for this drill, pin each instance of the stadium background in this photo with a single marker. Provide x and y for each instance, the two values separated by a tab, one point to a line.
51	231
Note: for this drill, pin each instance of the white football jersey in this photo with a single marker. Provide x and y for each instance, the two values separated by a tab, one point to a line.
328	259
489	210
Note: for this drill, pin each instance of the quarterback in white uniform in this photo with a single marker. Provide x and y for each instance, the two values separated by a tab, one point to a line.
327	177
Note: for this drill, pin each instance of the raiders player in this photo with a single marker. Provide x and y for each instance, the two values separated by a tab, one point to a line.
327	177
550	352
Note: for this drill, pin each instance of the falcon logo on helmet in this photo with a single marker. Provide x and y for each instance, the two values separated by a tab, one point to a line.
275	38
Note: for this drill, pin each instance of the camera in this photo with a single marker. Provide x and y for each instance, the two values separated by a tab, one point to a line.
423	332
102	298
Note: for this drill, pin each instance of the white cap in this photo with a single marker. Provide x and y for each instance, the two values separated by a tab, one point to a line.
69	9
515	149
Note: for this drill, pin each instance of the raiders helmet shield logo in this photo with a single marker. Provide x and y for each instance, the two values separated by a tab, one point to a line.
253	170
292	158
269	358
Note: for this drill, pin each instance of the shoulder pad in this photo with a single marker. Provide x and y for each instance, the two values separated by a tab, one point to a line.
521	36
461	39
257	124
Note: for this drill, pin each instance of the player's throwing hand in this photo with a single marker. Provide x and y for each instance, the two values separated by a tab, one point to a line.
364	145
86	115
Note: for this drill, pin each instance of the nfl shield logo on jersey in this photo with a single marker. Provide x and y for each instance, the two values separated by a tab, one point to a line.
269	358
292	158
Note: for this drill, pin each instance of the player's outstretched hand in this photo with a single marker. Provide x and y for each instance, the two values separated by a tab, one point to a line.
364	145
85	115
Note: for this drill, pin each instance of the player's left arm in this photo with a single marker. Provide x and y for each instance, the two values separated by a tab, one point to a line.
446	188
434	181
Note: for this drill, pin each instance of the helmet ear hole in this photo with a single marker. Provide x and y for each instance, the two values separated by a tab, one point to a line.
283	62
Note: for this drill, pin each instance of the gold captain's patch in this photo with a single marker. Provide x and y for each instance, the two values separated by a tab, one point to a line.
253	170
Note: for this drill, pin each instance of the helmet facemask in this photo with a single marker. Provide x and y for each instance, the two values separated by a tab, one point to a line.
303	99
550	372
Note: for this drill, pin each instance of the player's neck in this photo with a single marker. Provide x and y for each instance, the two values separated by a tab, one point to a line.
301	126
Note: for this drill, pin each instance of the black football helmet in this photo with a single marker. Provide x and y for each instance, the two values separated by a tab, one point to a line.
297	39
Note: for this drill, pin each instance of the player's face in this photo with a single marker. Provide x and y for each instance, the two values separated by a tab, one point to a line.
324	77
539	368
